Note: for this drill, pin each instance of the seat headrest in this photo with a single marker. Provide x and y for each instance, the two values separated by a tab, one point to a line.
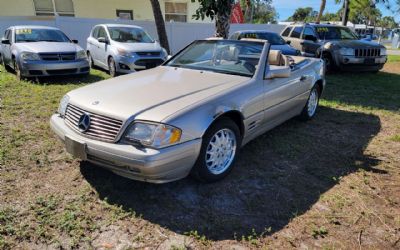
230	54
275	57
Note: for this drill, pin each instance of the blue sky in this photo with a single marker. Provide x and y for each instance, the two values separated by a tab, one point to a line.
285	8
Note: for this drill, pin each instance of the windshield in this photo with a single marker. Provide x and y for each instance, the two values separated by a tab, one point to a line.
38	35
129	35
272	38
335	33
221	56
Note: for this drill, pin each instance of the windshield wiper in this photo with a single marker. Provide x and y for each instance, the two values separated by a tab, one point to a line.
48	40
26	40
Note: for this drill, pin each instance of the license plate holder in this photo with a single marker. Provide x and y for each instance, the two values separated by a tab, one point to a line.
369	61
76	148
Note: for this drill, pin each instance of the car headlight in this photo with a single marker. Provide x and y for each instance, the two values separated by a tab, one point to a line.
63	105
346	51
81	54
383	52
153	134
29	56
123	52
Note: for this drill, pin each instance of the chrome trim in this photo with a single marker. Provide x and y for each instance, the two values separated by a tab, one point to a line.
101	127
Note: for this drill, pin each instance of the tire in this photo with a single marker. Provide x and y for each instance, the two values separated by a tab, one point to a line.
17	70
211	169
3	62
329	63
111	67
310	109
90	59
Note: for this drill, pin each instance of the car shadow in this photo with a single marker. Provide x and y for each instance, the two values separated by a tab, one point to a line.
73	79
278	176
352	88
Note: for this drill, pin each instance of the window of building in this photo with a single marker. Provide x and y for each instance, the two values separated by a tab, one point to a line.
296	32
176	12
125	14
52	7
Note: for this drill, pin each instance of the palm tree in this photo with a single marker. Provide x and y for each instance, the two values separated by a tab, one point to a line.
321	11
218	9
160	24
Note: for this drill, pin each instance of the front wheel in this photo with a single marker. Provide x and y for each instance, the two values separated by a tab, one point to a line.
218	152
90	59
311	107
111	67
17	70
329	63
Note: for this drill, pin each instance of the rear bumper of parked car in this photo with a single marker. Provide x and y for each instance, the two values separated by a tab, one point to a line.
127	64
48	68
361	63
144	164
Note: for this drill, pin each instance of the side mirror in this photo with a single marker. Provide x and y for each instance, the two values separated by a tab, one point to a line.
75	41
278	72
102	40
310	38
5	41
288	42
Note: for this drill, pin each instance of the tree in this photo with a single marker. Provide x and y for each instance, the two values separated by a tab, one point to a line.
321	11
303	15
259	11
160	24
218	9
388	22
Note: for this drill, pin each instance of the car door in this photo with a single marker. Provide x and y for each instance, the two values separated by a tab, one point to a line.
284	97
6	48
310	44
295	39
102	47
92	45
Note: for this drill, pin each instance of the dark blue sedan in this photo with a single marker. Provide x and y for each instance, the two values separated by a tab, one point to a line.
276	41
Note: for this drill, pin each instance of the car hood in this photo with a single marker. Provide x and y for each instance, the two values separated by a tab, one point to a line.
356	44
285	48
48	47
151	94
139	47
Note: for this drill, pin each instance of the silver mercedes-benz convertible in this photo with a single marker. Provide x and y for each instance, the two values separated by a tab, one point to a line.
192	114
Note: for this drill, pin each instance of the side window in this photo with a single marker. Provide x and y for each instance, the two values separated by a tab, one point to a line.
95	32
5	34
102	32
286	31
308	31
296	32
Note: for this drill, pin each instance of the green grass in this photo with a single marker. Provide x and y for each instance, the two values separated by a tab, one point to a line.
394	58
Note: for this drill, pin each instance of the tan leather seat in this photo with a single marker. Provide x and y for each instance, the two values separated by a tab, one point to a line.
276	58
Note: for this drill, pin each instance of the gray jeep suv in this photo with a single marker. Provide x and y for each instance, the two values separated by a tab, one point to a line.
339	46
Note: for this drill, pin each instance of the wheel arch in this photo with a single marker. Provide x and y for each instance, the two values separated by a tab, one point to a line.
234	115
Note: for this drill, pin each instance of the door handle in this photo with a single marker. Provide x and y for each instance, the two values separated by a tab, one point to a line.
303	78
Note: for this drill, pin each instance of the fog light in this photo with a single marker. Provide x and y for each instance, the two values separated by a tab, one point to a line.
124	66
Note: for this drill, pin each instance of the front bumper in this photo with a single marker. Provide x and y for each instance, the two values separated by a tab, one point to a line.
130	64
48	68
144	164
361	63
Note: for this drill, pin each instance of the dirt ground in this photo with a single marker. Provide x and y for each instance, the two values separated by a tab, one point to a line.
331	183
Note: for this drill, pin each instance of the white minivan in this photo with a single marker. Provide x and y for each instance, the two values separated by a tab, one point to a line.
122	48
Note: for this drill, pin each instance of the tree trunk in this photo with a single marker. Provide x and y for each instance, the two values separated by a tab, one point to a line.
345	14
222	22
321	11
247	12
159	20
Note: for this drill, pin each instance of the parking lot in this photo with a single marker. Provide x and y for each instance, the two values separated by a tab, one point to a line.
329	183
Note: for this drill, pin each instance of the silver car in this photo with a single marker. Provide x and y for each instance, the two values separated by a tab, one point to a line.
36	51
190	115
123	49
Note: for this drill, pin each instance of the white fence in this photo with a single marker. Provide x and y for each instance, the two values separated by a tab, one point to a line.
179	34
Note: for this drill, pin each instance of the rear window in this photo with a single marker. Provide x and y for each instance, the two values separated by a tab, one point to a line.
296	32
286	31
